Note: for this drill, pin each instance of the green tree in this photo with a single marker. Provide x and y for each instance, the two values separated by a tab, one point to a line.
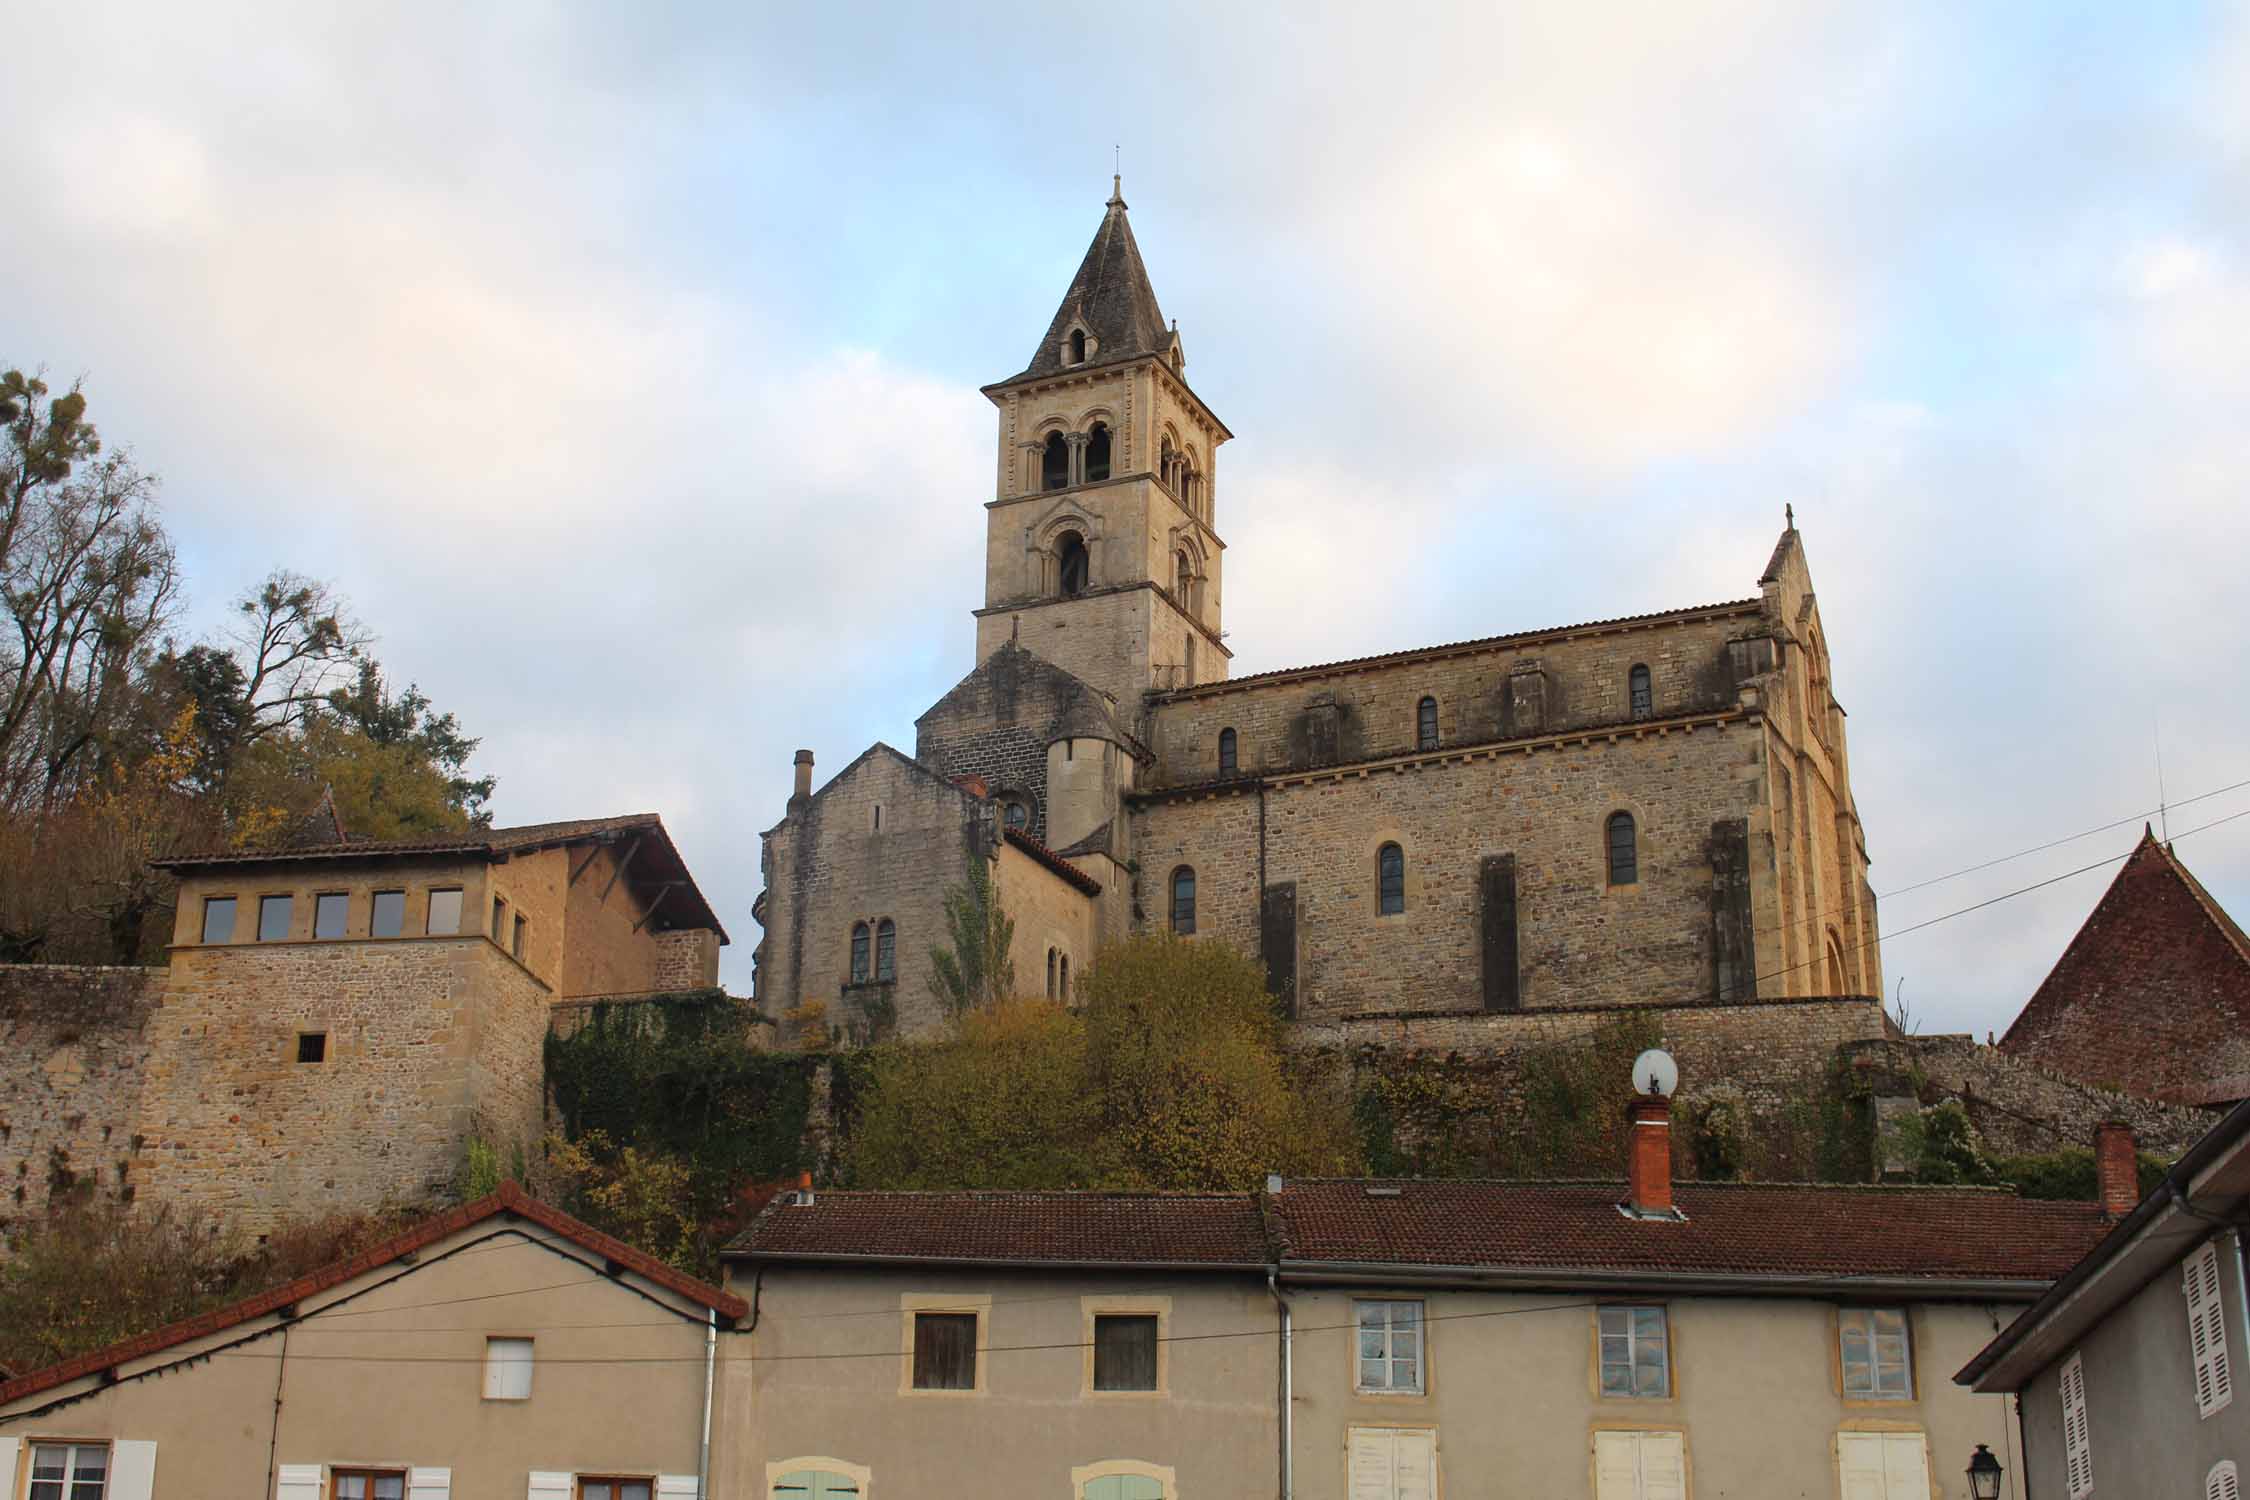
976	969
1172	1074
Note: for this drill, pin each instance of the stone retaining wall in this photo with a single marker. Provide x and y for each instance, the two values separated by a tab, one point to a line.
73	1050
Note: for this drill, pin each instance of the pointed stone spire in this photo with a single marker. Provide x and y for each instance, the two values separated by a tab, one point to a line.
1110	298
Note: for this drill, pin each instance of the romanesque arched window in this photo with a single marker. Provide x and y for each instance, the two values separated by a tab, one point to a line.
1183	580
1839	982
1624	850
1638	693
1072	563
1425	724
1054	462
886	951
1097	452
1226	752
1078	346
1050	973
859	953
1390	880
1062	987
1183	901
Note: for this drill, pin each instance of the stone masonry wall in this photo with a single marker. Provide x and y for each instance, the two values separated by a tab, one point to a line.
423	1037
687	959
2019	1108
73	1047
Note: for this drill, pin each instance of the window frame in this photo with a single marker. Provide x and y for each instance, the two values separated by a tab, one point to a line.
1426	724
233	904
494	1371
1876	1396
319	1041
337	1475
580	1481
287	900
1181	925
429	910
375	912
1230	745
1389	890
1389	1330
499	920
1632	827
779	1469
886	951
321	899
518	939
911	1305
861	963
1633	1340
71	1450
1640	692
1092	1310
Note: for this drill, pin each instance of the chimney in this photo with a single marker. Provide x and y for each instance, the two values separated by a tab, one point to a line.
803	793
2117	1168
1648	1156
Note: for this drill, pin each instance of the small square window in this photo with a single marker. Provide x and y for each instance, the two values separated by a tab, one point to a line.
615	1489
499	920
507	1369
1125	1352
329	913
522	926
368	1484
312	1046
945	1351
387	917
1390	1346
275	914
69	1471
1874	1353
445	913
1636	1358
218	919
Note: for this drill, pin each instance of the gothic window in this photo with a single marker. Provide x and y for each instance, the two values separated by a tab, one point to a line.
1078	346
1097	453
1624	850
1637	687
1226	752
1054	463
1183	901
886	951
1072	556
1425	725
859	953
1390	880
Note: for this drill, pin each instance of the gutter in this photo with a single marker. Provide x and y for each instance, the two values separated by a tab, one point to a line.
1288	1376
710	1370
1715	1283
772	1257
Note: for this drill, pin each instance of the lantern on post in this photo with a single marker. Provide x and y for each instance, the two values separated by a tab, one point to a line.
1984	1474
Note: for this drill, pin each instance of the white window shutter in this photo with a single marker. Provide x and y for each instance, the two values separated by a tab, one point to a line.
2078	1447
1617	1465
549	1486
1906	1466
675	1487
1414	1463
2222	1483
1370	1463
132	1470
10	1450
1859	1464
2207	1330
299	1482
429	1484
1663	1466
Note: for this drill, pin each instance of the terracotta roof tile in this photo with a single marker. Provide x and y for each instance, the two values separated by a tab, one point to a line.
1055	862
1218	1229
509	1200
1754	1229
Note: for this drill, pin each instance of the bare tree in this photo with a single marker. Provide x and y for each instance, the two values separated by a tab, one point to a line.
297	643
88	579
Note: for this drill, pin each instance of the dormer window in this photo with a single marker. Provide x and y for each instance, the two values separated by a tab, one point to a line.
1054	463
1078	346
1097	453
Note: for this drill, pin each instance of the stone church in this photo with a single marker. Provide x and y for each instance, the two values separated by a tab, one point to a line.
1648	810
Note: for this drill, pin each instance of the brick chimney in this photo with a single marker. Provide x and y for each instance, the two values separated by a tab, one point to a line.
1648	1156
2117	1168
803	793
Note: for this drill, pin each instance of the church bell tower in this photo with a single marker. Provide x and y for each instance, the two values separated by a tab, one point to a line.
1101	552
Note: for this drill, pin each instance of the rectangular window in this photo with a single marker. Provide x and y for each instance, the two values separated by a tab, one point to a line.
1883	1465
615	1489
2207	1331
368	1484
69	1471
1874	1353
1390	1346
218	919
329	914
2078	1448
274	915
387	917
1125	1352
507	1369
499	920
1640	1466
516	945
1391	1463
945	1351
312	1046
1635	1352
445	913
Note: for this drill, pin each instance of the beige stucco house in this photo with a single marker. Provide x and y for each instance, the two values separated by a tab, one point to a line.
501	1349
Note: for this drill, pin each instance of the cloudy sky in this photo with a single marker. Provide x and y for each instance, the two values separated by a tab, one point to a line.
620	363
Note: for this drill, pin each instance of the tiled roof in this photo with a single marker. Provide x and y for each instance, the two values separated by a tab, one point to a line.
1450	648
1055	862
2152	995
511	1199
1731	1229
1214	1229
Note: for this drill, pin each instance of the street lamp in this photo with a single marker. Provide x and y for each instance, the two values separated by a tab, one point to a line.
1984	1474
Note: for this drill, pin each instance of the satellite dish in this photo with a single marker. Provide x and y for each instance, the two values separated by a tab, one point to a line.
1654	1072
